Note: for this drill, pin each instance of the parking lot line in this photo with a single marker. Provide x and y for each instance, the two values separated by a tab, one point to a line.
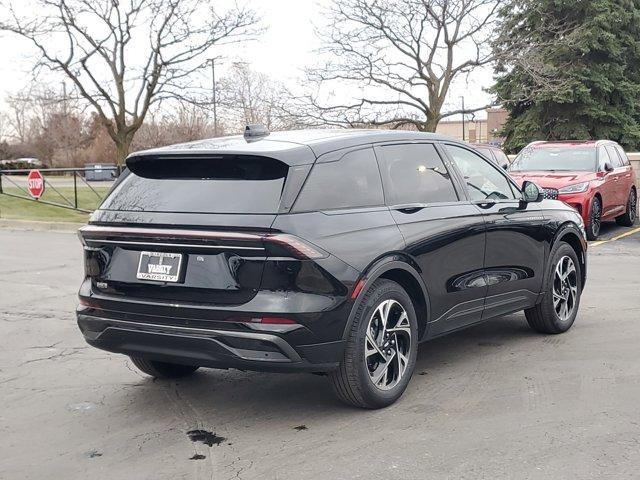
617	237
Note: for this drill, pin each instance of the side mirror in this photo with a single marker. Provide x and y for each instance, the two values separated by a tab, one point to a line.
531	192
608	167
505	166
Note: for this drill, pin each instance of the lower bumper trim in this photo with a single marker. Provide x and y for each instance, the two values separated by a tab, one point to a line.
196	346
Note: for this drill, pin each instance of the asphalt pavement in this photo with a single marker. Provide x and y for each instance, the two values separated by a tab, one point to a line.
496	401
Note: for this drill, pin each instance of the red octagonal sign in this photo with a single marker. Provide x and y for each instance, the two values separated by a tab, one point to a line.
35	184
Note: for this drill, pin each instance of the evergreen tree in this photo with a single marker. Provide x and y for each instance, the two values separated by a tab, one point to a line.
570	69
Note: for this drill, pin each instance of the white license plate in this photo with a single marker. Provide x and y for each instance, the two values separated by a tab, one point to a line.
159	266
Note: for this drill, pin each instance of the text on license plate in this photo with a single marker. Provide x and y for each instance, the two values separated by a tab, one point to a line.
159	266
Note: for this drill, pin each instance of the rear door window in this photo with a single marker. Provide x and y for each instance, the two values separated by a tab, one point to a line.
351	182
222	184
616	161
415	173
623	155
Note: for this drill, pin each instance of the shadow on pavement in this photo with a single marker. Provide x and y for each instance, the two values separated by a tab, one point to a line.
233	395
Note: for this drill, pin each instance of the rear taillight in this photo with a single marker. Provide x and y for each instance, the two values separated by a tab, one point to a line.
277	244
296	246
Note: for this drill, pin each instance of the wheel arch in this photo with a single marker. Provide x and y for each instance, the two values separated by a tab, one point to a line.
569	233
405	272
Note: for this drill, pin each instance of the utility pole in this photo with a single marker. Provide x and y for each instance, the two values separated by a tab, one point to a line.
463	134
213	95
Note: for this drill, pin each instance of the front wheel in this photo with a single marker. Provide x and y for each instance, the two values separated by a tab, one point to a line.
381	349
563	283
629	216
595	219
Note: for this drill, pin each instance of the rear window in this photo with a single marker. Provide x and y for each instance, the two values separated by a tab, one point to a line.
353	181
223	184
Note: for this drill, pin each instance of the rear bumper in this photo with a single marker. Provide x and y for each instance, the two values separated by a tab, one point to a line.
215	348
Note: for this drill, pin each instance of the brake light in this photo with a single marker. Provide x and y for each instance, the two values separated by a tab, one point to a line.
299	248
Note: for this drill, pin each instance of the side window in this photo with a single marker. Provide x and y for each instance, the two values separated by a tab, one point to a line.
414	173
486	152
352	181
603	157
623	155
483	180
502	158
616	161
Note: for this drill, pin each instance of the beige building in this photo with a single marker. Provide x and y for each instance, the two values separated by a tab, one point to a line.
476	131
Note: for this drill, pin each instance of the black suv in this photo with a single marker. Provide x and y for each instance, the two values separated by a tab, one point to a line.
333	251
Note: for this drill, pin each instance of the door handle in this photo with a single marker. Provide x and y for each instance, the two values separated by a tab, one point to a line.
409	207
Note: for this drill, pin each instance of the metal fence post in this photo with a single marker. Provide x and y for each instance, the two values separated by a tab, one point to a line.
1	183
75	188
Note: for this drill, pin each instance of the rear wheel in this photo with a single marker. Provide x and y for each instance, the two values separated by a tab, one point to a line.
629	216
559	307
162	369
381	349
595	219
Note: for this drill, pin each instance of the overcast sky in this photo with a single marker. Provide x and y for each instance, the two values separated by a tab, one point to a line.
283	50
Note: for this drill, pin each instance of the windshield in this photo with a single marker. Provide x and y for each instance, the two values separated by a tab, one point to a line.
555	159
226	184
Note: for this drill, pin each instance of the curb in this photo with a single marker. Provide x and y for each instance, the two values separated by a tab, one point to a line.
33	225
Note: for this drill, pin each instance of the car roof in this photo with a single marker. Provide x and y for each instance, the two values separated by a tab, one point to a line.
293	146
486	145
570	143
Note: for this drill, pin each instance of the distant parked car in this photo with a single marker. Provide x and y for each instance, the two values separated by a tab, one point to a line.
21	163
594	177
493	153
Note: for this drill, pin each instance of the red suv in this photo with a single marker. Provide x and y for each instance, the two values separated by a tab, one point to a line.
594	177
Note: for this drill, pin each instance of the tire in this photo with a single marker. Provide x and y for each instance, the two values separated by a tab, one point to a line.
595	219
549	316
363	364
628	219
162	369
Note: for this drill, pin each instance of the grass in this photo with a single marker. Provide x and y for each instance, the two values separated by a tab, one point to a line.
25	209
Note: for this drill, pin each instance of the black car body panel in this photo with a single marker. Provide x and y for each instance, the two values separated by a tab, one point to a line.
275	287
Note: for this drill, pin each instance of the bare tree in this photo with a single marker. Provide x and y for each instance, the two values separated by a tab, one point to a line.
249	97
123	56
405	54
185	123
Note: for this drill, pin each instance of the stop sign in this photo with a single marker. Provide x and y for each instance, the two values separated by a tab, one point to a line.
35	184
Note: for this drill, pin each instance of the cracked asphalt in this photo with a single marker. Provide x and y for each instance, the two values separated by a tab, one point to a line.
495	401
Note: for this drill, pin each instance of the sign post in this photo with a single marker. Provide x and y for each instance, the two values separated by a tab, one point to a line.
35	184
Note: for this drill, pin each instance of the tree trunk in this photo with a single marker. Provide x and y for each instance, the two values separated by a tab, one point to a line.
431	124
123	144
